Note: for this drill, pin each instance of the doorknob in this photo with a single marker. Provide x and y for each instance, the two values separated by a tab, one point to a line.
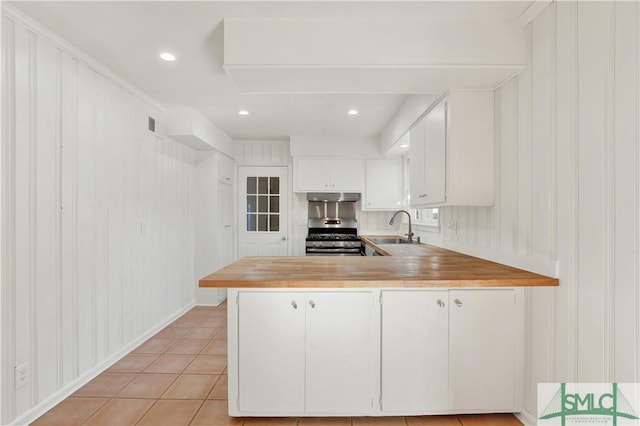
283	238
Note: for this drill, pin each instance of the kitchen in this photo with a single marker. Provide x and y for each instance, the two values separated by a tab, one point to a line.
112	241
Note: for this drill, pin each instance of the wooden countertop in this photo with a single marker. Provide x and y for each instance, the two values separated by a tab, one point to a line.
405	249
433	267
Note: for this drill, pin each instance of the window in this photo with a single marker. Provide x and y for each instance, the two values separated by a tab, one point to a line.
429	217
263	204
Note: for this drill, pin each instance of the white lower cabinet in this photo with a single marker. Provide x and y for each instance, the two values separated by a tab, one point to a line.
271	346
306	352
378	352
415	351
449	351
483	352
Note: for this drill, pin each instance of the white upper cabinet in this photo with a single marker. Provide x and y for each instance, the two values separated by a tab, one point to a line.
452	152
383	183
225	169
329	174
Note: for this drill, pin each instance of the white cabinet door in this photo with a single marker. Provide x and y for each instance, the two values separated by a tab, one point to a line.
482	336
225	169
226	214
415	372
417	190
435	154
383	184
271	352
452	152
329	174
347	175
339	362
312	175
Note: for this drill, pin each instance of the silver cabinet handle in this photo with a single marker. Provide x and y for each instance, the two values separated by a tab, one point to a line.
440	303
312	304
294	304
458	303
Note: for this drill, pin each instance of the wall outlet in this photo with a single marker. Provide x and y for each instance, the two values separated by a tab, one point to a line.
23	375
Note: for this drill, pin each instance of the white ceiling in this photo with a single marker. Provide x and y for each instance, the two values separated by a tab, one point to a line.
127	37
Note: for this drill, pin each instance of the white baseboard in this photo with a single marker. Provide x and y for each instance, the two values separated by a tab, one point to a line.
527	418
53	400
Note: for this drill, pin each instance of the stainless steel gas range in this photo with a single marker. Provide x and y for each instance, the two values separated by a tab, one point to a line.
332	225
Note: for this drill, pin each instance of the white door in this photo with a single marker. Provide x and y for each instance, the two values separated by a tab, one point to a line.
482	336
339	347
263	206
271	335
415	351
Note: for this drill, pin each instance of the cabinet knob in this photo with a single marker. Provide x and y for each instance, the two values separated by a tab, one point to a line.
312	304
294	304
440	303
458	303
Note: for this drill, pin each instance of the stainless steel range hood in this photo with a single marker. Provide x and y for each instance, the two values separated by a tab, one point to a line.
333	196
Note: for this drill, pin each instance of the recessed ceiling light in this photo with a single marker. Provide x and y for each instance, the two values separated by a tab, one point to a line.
243	112
404	146
169	57
353	112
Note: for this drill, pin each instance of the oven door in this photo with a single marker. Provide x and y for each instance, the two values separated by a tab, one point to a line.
333	251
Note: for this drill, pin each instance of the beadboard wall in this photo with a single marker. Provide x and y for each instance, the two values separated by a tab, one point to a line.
97	219
568	189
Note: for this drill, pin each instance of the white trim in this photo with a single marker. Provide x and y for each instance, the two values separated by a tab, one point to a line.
533	11
44	406
527	418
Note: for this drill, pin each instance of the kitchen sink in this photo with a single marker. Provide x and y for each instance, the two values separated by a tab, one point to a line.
389	240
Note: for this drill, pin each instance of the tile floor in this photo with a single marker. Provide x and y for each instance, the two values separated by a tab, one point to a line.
179	377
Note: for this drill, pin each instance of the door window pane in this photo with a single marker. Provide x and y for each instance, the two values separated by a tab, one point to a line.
274	185
251	204
262	222
274	222
263	204
251	222
274	202
263	185
251	185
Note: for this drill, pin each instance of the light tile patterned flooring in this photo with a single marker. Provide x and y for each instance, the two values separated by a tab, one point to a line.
179	377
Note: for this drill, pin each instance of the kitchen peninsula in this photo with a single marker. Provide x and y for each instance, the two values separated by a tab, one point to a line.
428	332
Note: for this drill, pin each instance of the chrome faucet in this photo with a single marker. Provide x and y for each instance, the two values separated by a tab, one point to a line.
393	218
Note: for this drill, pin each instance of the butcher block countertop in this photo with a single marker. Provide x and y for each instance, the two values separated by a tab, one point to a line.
406	249
431	267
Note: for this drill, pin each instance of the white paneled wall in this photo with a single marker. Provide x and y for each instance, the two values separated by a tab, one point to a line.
97	219
568	189
261	153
